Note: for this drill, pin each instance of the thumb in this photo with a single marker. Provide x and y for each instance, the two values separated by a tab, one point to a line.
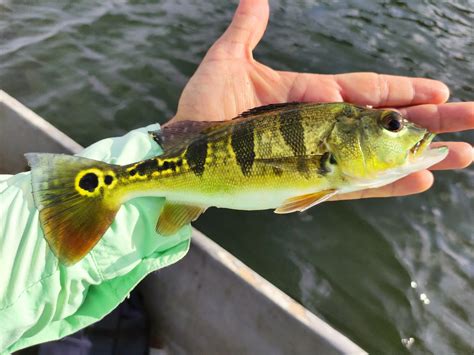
247	28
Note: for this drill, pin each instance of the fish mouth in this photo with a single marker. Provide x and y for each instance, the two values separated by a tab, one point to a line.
422	145
422	156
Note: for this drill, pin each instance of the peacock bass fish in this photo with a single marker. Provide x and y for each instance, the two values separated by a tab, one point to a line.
288	157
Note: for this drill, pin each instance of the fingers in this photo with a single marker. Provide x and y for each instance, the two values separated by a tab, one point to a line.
409	185
387	90
459	157
247	28
450	117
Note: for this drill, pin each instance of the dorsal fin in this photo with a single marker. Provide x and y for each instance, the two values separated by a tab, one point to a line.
268	108
180	134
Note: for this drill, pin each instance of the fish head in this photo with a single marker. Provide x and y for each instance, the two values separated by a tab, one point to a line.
381	145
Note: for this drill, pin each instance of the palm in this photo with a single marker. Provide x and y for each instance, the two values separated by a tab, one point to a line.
220	89
225	85
229	81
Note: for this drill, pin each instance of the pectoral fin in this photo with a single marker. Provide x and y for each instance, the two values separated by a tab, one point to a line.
175	215
303	202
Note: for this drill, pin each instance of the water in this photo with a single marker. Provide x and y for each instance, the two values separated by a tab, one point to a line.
395	275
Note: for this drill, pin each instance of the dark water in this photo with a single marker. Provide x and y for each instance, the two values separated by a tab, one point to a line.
381	271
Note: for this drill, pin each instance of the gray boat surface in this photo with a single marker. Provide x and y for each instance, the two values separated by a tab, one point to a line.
209	302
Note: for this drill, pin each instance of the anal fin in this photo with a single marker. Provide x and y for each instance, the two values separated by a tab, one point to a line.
303	202
175	215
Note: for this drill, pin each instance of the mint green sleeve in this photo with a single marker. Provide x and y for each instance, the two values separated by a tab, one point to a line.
42	300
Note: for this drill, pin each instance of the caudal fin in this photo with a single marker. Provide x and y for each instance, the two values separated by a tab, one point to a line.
75	200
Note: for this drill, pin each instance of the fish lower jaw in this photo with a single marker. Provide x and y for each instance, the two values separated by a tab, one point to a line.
422	144
428	158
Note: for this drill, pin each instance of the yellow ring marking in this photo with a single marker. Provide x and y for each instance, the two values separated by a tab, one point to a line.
80	175
100	177
114	179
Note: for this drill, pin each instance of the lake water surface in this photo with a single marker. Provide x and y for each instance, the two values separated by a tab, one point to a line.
395	275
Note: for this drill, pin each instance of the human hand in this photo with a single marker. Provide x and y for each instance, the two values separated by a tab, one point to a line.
229	81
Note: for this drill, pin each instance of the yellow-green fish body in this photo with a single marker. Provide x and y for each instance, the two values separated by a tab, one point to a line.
252	162
286	157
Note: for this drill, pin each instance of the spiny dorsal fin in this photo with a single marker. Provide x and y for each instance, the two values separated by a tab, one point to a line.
302	203
175	215
268	108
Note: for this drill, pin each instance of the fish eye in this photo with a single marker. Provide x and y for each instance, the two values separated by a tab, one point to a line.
392	122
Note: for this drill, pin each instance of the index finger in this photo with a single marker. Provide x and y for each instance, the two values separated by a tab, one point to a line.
381	90
450	117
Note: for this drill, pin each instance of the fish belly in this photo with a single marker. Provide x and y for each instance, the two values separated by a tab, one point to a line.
261	199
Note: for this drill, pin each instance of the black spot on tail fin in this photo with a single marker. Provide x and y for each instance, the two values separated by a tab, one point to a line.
74	210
